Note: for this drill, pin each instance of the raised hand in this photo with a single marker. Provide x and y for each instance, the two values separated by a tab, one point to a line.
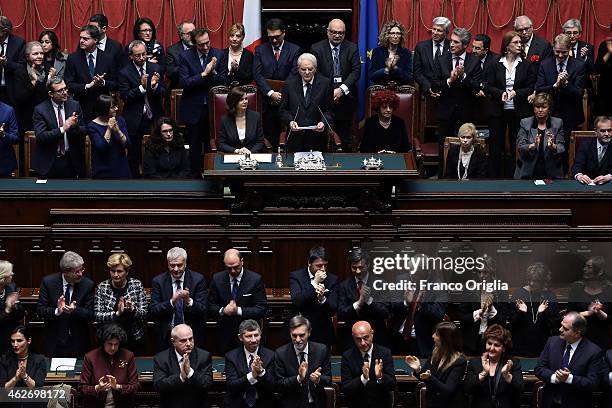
378	368
507	367
484	359
61	304
155	79
543	306
231	309
425	375
120	306
413	362
315	376
365	369
302	370
144	79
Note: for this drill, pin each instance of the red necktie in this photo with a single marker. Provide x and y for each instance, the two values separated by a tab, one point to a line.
412	309
276	53
60	123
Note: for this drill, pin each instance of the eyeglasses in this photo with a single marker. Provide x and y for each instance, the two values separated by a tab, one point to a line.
332	32
61	90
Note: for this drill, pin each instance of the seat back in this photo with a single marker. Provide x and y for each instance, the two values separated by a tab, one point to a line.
536	398
175	104
455	141
15	172
217	107
576	138
145	142
331	395
421	395
29	147
405	110
87	156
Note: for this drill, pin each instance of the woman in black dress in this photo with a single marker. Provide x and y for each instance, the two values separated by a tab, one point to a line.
468	160
165	155
236	59
385	132
11	310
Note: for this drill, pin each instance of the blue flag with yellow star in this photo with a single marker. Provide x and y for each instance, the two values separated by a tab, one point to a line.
368	40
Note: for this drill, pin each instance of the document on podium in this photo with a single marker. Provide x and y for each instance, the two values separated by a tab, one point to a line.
313	127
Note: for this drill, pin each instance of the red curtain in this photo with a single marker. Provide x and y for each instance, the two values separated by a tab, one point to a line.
493	17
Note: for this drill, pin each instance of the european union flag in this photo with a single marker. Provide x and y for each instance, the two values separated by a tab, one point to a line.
368	40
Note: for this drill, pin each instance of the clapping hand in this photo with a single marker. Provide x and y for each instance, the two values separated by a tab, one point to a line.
155	79
256	367
562	374
425	375
486	363
185	367
144	79
378	368
302	370
507	367
522	306
11	302
71	121
413	362
365	369
315	376
103	385
231	309
210	66
543	306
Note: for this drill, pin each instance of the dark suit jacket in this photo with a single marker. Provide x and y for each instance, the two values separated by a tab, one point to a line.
133	99
51	288
585	366
97	364
244	75
162	312
251	298
236	370
459	96
526	162
9	321
524	81
491	60
228	133
445	388
8	162
304	299
15	57
507	395
195	88
606	378
25	96
291	392
589	58
586	160
116	51
36	368
375	313
48	135
478	167
265	65
401	75
350	68
374	393
77	76
321	100
175	393
172	63
567	100
424	63
539	46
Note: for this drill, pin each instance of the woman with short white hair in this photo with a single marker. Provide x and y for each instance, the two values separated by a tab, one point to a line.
11	312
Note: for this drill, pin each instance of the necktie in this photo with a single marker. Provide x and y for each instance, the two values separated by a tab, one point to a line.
91	65
566	356
235	288
601	153
561	66
178	307
307	94
147	108
336	56
438	50
359	287
276	53
302	357
67	294
572	52
409	322
61	144
366	358
457	61
250	396
306	388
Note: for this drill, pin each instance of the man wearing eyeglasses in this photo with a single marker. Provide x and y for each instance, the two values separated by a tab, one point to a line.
338	60
536	48
65	303
275	60
60	134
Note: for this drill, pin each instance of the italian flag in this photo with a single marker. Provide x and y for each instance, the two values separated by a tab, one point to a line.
251	18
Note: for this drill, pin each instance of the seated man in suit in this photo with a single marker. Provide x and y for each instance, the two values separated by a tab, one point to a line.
308	100
303	368
90	72
249	370
355	300
142	89
427	51
9	136
178	296
182	374
368	376
235	294
60	134
274	60
593	162
65	303
570	365
314	293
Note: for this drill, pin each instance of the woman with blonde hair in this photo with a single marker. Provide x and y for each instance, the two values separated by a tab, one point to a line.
121	299
236	59
11	312
391	61
468	160
444	372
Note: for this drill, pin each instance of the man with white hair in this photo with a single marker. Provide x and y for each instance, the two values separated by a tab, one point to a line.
182	373
579	49
427	51
178	296
307	101
536	48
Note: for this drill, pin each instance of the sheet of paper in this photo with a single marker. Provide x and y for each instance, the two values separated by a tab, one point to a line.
41	181
62	364
313	127
539	182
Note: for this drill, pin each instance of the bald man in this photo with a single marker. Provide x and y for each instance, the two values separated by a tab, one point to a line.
236	294
338	60
367	370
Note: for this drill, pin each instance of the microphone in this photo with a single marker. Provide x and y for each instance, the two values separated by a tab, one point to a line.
289	133
338	147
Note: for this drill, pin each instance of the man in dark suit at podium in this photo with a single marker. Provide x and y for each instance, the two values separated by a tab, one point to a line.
65	303
249	370
570	365
593	162
308	100
178	296
338	60
275	60
236	294
303	368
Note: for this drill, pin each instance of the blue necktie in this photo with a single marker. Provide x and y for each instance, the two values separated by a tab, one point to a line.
336	54
235	289
566	356
91	65
250	396
178	310
307	94
67	294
